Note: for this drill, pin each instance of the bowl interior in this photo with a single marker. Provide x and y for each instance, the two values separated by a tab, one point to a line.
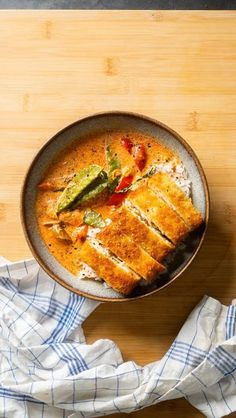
79	129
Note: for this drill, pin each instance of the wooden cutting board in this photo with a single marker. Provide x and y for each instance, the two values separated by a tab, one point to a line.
178	67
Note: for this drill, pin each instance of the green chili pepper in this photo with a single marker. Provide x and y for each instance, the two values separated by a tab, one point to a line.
113	165
77	185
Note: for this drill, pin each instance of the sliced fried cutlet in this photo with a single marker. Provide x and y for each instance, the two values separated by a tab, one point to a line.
165	187
159	213
116	274
127	250
129	223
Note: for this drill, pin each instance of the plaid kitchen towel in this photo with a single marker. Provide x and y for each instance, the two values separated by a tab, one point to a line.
47	370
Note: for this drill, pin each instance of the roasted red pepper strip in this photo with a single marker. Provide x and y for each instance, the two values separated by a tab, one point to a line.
117	198
125	182
127	144
140	156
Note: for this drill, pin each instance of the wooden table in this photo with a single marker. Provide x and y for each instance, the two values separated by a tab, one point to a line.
178	67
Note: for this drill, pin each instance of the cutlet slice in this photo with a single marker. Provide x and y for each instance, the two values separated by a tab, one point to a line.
165	187
159	213
127	250
115	273
128	222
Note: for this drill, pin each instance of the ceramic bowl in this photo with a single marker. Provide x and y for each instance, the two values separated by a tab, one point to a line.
103	121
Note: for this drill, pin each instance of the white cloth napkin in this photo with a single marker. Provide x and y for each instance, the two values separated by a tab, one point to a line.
47	370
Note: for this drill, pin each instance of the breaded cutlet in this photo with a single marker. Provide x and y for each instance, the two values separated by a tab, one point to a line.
165	187
158	212
131	253
126	221
115	274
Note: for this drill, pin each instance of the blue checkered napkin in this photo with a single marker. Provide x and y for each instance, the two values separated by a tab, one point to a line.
47	370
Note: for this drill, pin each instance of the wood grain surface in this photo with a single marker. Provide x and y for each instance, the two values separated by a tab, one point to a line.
178	67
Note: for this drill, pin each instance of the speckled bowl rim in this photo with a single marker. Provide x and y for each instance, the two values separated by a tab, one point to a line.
191	154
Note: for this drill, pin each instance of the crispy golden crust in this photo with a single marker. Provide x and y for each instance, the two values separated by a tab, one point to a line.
127	250
158	212
128	223
163	184
114	275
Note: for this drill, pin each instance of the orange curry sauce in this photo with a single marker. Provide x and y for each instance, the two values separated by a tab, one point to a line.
83	152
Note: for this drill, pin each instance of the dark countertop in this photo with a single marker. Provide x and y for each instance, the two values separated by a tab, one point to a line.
119	4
